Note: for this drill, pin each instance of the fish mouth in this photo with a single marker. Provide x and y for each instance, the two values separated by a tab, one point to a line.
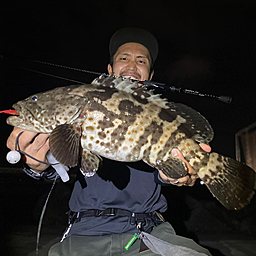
22	111
21	120
18	108
19	114
17	118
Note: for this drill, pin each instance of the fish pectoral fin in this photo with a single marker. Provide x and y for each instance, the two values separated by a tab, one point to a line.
64	142
230	181
89	163
173	167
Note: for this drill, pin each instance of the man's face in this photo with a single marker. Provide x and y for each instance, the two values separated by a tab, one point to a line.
132	60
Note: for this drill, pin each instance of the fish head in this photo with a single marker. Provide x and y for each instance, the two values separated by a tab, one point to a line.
42	112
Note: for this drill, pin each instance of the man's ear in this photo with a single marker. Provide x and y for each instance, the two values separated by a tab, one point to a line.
110	70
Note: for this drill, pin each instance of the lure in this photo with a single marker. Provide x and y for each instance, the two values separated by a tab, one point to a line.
10	112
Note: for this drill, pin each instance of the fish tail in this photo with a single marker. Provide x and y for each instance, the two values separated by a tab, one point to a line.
230	181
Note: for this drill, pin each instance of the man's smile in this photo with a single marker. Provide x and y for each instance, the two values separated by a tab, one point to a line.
133	75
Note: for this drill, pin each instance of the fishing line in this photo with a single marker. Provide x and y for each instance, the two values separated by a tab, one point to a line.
42	216
54	76
15	157
66	67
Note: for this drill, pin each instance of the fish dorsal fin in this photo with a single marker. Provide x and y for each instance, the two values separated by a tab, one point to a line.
64	144
129	86
120	83
195	124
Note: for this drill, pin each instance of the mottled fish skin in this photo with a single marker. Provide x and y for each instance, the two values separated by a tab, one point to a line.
116	119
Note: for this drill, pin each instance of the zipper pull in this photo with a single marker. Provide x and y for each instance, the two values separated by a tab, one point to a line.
131	242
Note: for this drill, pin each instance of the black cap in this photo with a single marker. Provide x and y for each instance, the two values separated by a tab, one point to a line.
134	35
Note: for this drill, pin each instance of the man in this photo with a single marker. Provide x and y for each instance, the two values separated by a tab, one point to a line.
107	207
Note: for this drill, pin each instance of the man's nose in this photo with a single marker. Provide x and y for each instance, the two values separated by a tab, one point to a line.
131	65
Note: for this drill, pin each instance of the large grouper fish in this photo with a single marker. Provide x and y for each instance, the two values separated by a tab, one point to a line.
115	118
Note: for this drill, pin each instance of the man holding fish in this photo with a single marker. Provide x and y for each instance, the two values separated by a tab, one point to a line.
120	200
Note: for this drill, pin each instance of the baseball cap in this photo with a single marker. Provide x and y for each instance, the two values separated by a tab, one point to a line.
134	35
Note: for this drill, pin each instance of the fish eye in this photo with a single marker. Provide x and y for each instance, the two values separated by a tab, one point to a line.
34	98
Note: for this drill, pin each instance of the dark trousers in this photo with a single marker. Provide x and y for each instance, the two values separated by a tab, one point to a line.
114	245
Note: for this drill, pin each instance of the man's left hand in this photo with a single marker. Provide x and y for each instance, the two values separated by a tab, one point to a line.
191	177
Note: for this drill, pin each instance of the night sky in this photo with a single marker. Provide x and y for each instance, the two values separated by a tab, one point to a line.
207	46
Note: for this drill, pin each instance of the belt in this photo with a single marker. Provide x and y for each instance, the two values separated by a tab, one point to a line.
135	217
139	219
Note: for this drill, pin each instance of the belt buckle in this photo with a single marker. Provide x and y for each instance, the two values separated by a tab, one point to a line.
107	212
110	212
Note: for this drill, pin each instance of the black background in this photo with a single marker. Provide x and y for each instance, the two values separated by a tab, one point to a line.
207	46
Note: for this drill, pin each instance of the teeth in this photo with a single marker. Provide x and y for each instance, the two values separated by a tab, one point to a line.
132	77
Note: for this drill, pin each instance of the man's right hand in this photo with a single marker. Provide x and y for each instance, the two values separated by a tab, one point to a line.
35	146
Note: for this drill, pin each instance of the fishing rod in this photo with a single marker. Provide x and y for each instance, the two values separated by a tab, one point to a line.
147	83
225	99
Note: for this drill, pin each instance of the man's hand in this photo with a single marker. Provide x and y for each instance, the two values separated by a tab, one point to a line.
35	146
190	178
